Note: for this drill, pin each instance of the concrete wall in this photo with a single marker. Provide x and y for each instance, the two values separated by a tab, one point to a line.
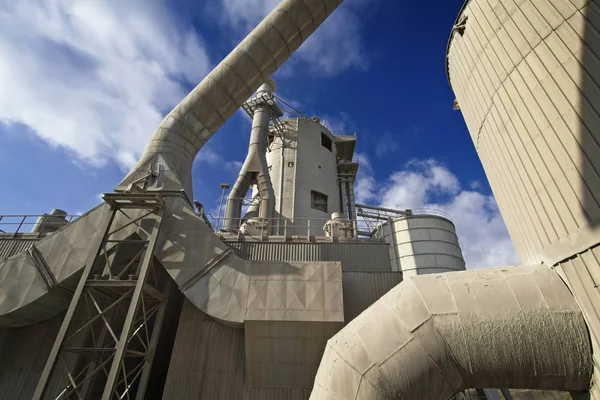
284	199
526	76
423	244
315	168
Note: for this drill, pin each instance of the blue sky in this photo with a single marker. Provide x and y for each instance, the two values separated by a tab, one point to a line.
84	83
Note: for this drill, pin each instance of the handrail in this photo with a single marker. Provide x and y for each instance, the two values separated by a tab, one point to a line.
288	227
8	221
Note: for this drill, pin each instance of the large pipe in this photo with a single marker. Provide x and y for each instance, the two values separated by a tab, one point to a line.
185	130
166	161
433	336
255	169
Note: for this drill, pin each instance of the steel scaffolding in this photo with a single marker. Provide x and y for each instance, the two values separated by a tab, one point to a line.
106	343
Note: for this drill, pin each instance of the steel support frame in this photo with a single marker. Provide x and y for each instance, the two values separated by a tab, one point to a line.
114	319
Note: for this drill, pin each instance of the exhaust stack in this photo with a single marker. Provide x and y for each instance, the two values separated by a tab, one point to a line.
255	169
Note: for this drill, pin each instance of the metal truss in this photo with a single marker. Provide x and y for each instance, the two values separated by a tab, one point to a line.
106	344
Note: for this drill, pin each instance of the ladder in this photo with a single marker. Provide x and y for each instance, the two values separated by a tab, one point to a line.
106	343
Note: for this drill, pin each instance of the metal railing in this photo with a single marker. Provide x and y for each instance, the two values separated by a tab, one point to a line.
432	211
287	227
384	214
15	224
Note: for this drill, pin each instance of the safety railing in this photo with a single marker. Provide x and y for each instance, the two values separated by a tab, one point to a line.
383	214
16	224
286	227
432	211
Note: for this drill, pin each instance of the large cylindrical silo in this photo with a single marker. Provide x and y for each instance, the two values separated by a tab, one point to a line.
526	75
422	244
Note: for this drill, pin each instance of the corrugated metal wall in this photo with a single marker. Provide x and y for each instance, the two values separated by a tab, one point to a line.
526	77
361	289
208	358
23	354
365	256
582	275
208	363
10	247
526	74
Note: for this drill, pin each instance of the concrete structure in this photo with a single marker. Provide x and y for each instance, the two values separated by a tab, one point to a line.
305	165
254	328
422	244
526	76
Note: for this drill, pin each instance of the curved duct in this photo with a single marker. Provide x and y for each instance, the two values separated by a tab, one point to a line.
435	335
255	169
35	289
180	136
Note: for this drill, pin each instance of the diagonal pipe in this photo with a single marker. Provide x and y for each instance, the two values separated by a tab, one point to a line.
186	129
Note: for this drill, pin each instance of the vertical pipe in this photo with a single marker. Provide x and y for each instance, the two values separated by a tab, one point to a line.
281	174
255	168
220	207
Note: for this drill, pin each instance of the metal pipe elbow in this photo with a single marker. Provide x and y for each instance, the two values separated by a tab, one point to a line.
435	335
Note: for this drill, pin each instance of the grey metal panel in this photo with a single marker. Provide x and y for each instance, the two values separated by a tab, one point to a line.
208	363
23	352
434	335
582	275
353	256
361	289
527	76
10	247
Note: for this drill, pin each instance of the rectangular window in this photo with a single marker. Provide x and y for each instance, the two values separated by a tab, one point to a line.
326	141
318	201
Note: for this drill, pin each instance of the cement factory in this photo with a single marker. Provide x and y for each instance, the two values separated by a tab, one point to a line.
297	291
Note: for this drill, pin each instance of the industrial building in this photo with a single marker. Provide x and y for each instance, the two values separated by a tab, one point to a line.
298	292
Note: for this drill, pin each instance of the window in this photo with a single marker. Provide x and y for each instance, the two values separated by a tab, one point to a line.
326	141
318	201
290	164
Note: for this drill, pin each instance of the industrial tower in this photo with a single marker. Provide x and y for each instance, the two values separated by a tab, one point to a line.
307	294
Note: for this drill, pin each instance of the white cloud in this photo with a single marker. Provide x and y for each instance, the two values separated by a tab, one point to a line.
365	184
386	145
429	184
94	77
333	48
342	124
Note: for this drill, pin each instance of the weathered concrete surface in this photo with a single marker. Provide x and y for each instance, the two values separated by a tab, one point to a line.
432	336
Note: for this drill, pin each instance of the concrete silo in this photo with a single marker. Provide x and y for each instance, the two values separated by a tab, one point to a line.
526	76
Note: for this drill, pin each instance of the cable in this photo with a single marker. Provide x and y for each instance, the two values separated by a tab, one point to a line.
292	107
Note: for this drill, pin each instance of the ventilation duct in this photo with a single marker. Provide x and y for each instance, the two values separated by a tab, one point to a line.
433	336
165	166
